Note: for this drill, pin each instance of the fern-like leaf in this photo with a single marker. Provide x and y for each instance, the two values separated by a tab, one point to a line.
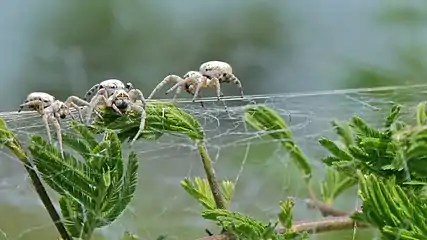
127	191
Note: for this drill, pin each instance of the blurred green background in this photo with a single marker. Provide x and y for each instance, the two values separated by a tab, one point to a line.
64	47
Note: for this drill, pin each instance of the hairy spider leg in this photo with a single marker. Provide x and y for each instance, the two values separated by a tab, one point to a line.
166	80
34	105
72	101
91	91
181	83
135	95
190	89
209	82
136	107
237	82
205	82
49	115
109	102
94	102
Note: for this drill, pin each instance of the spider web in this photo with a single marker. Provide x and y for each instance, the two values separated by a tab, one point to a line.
263	173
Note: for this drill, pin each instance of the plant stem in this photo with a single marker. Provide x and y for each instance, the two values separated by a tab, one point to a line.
321	226
40	189
210	175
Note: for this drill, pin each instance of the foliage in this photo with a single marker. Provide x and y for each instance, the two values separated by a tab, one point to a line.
200	190
395	150
95	189
398	214
267	121
387	163
245	227
161	118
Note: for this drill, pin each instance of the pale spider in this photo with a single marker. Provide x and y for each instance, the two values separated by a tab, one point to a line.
211	74
52	110
189	78
107	88
123	100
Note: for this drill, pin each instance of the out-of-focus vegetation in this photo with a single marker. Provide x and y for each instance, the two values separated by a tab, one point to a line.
409	61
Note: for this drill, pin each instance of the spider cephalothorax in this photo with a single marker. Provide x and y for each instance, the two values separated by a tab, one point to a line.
122	101
110	84
106	88
52	110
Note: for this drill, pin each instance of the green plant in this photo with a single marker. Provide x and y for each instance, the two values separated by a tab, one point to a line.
388	164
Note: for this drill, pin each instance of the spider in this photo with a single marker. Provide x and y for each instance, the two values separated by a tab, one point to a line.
123	100
217	72
210	74
52	110
190	77
107	88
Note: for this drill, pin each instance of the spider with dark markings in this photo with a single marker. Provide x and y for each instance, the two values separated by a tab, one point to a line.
52	110
210	74
107	88
121	101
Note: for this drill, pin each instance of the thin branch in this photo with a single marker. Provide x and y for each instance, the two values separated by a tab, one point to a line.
16	148
325	209
210	175
320	226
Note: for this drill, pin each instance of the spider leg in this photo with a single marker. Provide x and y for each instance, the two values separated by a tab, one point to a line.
239	84
109	102
90	92
37	103
191	91
219	94
94	102
135	95
72	101
46	124
142	123
58	133
215	82
202	82
166	80
180	83
177	92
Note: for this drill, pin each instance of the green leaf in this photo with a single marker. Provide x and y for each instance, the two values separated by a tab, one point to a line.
285	215
237	224
68	176
334	184
264	119
127	191
199	191
344	131
392	117
362	129
84	134
161	118
73	215
335	150
421	113
389	207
